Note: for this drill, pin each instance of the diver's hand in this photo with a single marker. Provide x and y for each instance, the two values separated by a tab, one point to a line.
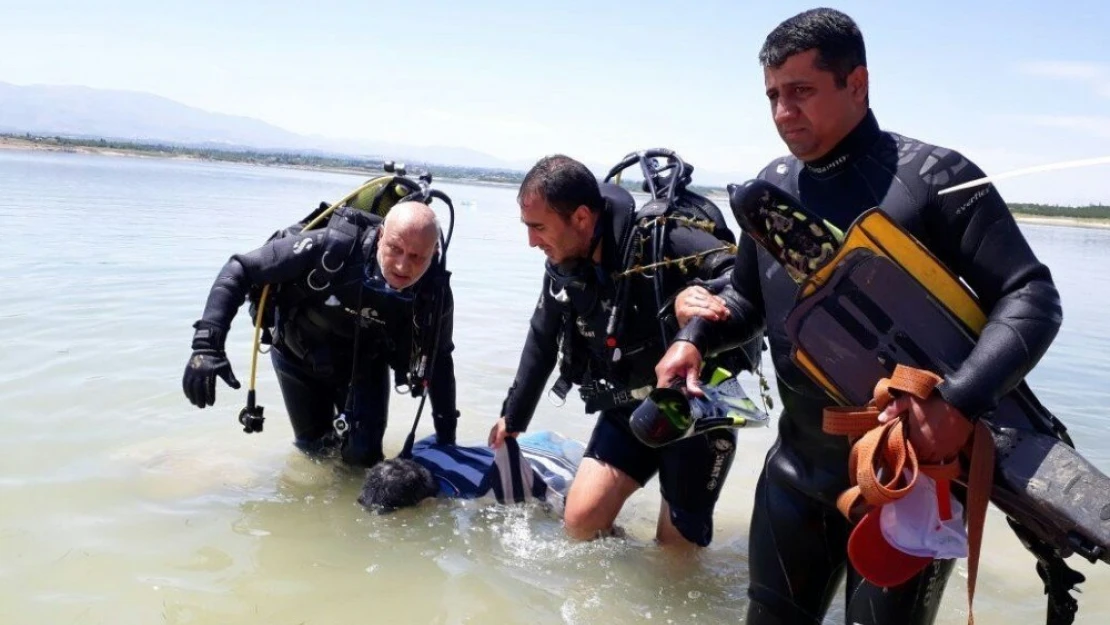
682	361
499	432
208	361
937	429
199	381
696	301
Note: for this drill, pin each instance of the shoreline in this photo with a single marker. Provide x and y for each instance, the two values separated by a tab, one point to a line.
1071	222
13	143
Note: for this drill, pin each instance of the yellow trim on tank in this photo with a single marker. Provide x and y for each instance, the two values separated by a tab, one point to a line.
874	230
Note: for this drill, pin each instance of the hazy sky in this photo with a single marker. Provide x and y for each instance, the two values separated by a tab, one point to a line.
1011	84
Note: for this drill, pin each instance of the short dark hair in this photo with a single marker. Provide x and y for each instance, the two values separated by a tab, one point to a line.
836	37
396	483
564	183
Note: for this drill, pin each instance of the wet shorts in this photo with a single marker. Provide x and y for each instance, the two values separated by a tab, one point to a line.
691	471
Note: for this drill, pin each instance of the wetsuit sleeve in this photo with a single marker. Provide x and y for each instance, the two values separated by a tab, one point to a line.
537	361
977	237
743	298
442	391
716	256
281	260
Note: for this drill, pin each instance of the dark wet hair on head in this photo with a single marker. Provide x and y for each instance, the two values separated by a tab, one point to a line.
564	183
396	483
835	36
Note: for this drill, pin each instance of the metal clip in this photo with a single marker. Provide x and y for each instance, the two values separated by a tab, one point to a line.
341	425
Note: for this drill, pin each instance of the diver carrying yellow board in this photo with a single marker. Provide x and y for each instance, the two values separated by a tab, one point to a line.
874	298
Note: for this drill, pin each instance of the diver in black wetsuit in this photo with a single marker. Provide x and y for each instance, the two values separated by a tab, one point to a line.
583	229
338	334
842	163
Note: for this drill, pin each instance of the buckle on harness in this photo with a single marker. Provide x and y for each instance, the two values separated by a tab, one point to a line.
341	425
559	389
561	296
599	399
622	397
312	286
324	263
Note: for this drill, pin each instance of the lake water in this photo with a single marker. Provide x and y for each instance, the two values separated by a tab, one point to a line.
122	503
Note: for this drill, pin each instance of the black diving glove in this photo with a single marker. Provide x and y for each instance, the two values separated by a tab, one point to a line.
207	361
445	428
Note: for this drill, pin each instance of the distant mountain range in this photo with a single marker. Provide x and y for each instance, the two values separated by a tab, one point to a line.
79	112
85	112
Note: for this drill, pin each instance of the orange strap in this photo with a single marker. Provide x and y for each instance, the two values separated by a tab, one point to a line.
980	482
882	452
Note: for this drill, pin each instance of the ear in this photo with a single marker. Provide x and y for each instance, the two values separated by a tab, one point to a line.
858	84
582	218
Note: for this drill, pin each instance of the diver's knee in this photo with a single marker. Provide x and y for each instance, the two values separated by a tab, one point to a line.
320	447
364	456
362	446
692	527
580	525
363	460
585	522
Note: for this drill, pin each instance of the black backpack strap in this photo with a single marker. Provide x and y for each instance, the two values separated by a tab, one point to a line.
342	235
701	207
428	316
569	372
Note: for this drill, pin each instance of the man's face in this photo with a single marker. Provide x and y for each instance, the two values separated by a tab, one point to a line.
560	238
812	114
405	256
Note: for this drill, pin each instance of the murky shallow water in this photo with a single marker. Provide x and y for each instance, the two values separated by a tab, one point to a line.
124	504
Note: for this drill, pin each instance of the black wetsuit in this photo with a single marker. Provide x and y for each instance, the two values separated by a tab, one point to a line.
798	538
313	346
692	471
